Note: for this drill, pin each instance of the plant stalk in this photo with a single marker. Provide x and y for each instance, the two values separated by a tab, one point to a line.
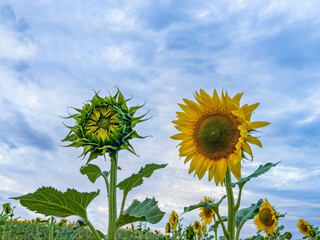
112	228
93	230
231	212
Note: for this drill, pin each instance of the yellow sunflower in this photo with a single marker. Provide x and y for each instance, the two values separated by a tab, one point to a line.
168	228
196	226
304	227
206	213
214	133
266	219
173	220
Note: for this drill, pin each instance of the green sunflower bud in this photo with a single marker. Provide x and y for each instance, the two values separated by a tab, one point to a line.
104	125
288	235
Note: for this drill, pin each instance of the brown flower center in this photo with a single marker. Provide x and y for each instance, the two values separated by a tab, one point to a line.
216	134
304	227
265	217
208	212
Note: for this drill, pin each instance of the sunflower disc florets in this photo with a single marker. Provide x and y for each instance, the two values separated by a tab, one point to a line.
104	125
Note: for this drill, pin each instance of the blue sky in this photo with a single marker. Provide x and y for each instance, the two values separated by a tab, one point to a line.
53	53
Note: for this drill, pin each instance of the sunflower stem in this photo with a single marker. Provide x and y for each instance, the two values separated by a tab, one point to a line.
226	233
215	230
112	228
236	207
231	212
93	230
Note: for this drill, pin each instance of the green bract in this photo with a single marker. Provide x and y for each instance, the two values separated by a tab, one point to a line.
104	125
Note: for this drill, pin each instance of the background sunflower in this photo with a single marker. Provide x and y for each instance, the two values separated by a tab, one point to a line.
266	219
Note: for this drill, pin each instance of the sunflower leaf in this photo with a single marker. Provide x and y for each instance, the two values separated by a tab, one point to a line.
209	204
248	213
92	171
136	179
147	210
261	170
51	202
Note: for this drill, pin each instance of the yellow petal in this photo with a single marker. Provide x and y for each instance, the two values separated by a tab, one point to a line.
192	105
237	98
212	170
238	158
205	167
238	113
222	168
246	147
179	136
215	99
259	124
254	140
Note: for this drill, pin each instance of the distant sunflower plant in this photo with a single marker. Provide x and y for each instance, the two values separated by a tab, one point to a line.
103	126
215	133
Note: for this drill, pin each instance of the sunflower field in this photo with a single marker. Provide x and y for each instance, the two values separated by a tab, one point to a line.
215	137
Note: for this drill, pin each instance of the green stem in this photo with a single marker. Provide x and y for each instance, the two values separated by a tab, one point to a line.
93	230
238	233
231	212
216	229
226	233
236	207
112	228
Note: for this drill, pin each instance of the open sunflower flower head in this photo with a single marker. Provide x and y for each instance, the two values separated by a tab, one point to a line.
215	132
266	220
104	125
173	220
196	226
206	213
304	227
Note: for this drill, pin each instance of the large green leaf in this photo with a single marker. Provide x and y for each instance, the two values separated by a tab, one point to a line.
147	210
248	213
49	201
93	172
209	204
261	170
136	179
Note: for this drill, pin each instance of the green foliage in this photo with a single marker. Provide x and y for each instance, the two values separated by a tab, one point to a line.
248	213
261	170
136	179
141	211
209	204
93	172
49	201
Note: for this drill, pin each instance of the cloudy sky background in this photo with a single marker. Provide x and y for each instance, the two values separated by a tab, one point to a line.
53	53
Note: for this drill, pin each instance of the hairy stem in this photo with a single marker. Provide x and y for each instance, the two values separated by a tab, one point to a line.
231	212
112	228
93	230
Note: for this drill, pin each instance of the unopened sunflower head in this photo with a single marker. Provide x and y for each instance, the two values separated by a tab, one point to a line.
215	132
304	227
104	125
266	220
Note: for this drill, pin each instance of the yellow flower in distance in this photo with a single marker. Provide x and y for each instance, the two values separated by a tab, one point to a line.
173	220
214	132
266	219
303	227
206	212
196	226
